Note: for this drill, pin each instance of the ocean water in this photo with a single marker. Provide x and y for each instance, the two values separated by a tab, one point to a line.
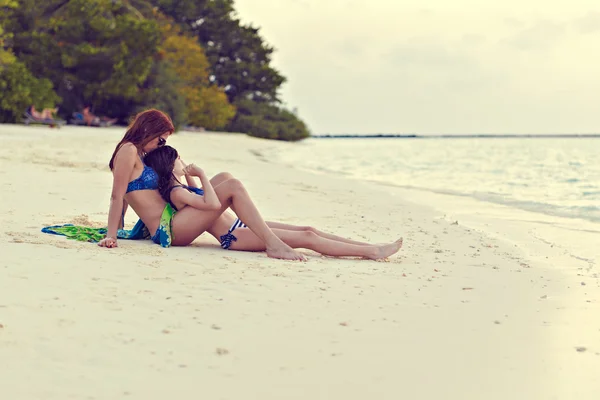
555	176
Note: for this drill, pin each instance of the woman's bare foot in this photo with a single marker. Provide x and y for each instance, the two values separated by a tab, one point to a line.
387	250
284	252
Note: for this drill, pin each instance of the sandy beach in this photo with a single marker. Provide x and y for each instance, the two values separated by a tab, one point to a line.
471	308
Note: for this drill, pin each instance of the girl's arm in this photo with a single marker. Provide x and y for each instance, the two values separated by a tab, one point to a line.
209	201
123	166
209	192
188	177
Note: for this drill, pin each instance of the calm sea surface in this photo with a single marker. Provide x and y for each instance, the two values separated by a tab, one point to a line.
556	176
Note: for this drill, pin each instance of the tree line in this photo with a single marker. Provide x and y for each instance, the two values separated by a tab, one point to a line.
193	59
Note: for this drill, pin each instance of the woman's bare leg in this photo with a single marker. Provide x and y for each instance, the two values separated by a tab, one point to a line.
189	223
288	227
248	241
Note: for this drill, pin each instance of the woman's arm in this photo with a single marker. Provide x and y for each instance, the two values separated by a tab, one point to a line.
123	166
122	220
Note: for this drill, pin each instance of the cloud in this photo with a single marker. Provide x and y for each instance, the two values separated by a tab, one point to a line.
351	46
433	64
302	3
472	39
540	36
421	54
514	22
589	23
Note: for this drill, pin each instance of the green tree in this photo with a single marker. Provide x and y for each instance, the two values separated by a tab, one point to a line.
207	105
19	89
122	56
94	51
6	55
241	64
239	57
162	91
267	121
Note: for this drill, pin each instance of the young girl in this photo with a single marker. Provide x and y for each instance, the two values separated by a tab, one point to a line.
231	232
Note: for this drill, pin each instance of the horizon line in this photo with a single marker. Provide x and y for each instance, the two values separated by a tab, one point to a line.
454	136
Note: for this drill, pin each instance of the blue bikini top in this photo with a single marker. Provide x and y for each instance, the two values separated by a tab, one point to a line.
148	180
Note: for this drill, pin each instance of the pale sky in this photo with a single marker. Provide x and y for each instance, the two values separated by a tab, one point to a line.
436	66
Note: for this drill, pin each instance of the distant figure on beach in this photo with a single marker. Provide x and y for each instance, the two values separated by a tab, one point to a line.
91	119
45	114
136	184
166	163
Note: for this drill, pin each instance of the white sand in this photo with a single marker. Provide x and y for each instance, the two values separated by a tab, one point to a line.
463	312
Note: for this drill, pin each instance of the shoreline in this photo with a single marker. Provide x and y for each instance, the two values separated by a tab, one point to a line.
561	231
459	305
456	207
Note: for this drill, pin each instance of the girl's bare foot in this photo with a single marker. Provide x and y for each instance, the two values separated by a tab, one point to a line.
285	252
387	250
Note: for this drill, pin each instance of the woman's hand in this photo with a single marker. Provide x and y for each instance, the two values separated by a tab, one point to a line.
109	242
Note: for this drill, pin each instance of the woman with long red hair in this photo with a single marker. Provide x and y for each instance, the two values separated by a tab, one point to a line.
136	184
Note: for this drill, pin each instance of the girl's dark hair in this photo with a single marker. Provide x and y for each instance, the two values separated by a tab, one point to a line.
146	126
162	161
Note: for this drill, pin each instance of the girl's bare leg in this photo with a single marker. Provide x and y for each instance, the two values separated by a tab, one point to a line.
248	241
223	176
189	223
279	225
220	178
254	243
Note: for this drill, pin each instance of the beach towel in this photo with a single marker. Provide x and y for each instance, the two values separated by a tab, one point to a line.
94	235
